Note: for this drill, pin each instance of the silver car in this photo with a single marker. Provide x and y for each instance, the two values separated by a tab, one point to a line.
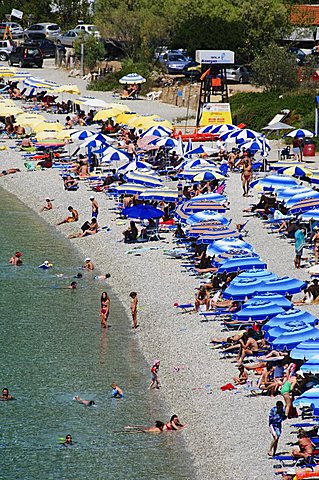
68	38
238	74
39	30
16	29
5	49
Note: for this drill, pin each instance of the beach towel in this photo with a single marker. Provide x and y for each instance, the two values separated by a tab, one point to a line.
228	386
300	241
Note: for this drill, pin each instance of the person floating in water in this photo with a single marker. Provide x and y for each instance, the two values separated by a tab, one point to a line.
134	302
5	395
102	277
154	375
159	427
47	206
72	286
68	441
16	259
117	392
45	265
174	423
87	403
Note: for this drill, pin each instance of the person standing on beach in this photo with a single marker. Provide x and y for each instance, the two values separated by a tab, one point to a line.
300	241
105	309
134	303
95	207
154	375
276	417
246	176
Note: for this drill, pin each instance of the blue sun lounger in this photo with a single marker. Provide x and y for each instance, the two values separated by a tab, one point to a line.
185	307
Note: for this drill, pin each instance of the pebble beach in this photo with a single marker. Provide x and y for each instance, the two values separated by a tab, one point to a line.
227	433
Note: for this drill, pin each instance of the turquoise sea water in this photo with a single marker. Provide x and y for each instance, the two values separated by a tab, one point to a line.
52	348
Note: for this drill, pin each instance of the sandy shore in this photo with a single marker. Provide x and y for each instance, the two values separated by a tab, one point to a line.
227	433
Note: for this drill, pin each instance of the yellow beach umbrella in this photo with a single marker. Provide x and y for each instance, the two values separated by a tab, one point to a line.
6	110
119	106
158	122
44	134
141	120
53	126
125	116
64	134
73	89
107	113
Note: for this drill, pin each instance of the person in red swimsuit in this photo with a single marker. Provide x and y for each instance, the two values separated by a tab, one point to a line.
174	424
154	375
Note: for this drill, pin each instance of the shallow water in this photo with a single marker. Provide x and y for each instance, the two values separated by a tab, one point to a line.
52	348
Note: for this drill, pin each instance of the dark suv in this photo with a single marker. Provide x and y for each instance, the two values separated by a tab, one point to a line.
26	56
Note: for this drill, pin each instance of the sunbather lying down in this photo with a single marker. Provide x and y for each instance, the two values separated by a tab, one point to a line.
9	171
298	473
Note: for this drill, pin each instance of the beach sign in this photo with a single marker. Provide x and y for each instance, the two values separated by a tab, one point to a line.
220	57
215	114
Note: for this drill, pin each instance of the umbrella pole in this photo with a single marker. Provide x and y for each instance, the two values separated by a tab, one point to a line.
188	102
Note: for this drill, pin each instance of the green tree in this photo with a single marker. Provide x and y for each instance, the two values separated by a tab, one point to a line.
93	50
275	69
40	10
67	13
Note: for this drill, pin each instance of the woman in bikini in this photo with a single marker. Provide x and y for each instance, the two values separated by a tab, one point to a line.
105	309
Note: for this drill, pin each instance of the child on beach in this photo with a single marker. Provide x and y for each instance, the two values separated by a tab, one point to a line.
47	206
154	375
134	302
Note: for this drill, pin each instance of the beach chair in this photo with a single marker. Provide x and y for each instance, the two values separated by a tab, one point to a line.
155	95
185	307
221	188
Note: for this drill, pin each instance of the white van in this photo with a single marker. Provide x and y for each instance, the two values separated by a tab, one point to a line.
85	27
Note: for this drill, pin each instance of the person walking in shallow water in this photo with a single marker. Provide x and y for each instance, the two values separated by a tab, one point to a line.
154	375
133	306
105	309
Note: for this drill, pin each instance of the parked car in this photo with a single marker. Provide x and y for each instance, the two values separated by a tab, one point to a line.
26	55
175	62
15	29
300	53
5	49
68	38
50	30
46	46
238	74
87	28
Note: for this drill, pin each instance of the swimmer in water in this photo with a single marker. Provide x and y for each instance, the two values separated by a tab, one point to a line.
45	265
72	286
88	264
68	441
174	423
159	427
117	392
16	259
133	307
102	277
87	403
5	395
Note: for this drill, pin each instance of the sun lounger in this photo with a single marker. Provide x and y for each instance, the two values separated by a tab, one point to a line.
185	307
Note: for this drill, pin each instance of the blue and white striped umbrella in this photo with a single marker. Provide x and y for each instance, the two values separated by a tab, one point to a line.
167	142
300	197
229	244
34	82
290	192
200	150
218	129
275	182
133	166
240	136
143	179
159	194
82	134
132	78
129	188
260	144
196	163
310	215
300	133
216	197
206	215
99	139
112	154
157	132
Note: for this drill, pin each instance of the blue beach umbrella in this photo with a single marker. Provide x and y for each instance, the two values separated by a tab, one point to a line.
207	176
244	263
274	181
258	310
216	197
196	163
295	171
286	193
310	398
261	144
229	244
310	215
166	142
133	166
143	212
276	298
311	366
255	273
244	287
292	338
218	235
293	314
282	328
112	154
82	134
240	136
282	285
306	350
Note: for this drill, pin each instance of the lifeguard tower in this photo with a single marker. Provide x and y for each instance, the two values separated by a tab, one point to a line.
213	106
